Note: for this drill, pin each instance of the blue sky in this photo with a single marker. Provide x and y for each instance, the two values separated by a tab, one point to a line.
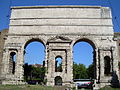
5	15
35	53
83	53
5	8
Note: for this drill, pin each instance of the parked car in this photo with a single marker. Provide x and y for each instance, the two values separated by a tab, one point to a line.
84	83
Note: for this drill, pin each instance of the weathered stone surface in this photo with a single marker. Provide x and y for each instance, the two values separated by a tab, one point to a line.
51	20
59	28
3	37
117	38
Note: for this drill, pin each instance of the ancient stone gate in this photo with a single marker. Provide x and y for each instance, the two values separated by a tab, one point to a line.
59	28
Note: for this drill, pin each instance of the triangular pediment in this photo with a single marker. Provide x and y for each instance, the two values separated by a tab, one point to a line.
59	39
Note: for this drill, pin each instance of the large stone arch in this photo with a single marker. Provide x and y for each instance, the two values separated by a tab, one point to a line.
93	44
27	41
59	28
89	40
30	40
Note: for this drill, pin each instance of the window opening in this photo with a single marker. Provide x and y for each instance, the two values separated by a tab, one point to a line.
107	65
58	64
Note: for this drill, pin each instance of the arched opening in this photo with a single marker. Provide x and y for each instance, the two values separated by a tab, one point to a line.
34	62
58	64
12	62
58	81
84	59
107	66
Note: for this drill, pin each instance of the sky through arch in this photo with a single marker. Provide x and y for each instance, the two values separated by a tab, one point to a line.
83	53
35	53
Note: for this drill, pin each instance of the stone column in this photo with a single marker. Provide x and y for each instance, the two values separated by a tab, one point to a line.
50	78
97	67
101	64
70	64
46	62
115	60
5	62
19	72
46	57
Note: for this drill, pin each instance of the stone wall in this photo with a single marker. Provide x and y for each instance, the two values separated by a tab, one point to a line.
117	38
3	37
59	28
61	19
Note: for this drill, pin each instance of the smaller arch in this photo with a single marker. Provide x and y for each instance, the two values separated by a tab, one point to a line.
12	62
12	54
58	57
58	64
58	81
107	65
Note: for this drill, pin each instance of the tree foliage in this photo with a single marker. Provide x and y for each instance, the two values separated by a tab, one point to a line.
81	72
59	68
38	73
34	73
90	71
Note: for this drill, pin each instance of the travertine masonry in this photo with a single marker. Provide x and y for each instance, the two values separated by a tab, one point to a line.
117	38
59	28
3	36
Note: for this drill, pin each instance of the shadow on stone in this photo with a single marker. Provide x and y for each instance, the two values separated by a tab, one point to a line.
114	81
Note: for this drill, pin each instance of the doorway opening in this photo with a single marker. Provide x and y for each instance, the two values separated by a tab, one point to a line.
58	81
107	66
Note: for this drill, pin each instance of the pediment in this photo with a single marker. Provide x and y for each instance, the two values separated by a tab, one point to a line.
59	39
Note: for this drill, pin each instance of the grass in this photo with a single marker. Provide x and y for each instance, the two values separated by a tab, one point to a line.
26	87
109	88
39	87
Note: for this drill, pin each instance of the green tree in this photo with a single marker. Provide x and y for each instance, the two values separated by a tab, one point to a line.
27	71
90	71
83	71
34	73
59	68
38	73
79	71
75	70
